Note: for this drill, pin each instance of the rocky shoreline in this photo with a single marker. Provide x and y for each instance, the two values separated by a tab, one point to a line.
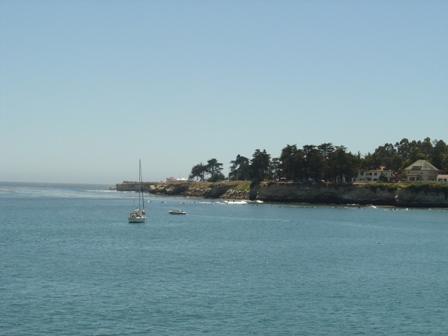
220	191
228	190
424	195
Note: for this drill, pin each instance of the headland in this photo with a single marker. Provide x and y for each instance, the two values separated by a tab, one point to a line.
387	194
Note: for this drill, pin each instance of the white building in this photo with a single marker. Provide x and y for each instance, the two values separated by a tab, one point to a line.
422	170
374	175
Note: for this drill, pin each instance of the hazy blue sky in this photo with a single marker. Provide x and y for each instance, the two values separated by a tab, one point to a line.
87	88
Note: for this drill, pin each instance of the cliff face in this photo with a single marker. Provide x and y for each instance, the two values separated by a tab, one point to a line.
193	189
321	193
423	196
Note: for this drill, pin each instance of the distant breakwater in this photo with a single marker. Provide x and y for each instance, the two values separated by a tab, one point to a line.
413	195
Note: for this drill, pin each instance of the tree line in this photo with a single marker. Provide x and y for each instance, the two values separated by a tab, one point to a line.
325	162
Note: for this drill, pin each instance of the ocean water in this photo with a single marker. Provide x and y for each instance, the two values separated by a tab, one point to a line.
72	265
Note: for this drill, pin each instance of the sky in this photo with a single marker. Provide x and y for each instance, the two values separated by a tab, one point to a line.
87	88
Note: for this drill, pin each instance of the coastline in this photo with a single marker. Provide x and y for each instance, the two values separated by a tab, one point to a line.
397	195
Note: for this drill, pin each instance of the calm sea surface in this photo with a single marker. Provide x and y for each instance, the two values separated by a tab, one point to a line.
70	264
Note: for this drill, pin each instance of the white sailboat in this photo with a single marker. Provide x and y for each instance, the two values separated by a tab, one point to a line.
139	214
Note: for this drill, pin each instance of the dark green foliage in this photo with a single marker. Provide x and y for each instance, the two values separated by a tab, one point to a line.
343	166
198	171
386	156
239	170
218	176
212	168
383	178
259	168
291	163
327	162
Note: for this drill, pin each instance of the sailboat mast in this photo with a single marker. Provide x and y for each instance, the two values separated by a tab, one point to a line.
140	178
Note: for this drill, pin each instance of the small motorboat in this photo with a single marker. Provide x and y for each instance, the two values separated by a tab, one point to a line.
177	212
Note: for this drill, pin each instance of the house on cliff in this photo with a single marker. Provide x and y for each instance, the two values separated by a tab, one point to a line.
375	174
421	170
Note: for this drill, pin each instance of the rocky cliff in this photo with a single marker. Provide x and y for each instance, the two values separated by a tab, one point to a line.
377	194
423	197
322	193
230	190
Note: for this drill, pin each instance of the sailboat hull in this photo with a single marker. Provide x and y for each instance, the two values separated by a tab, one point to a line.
137	219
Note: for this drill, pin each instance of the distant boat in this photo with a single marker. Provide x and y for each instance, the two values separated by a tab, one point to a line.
139	214
177	212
